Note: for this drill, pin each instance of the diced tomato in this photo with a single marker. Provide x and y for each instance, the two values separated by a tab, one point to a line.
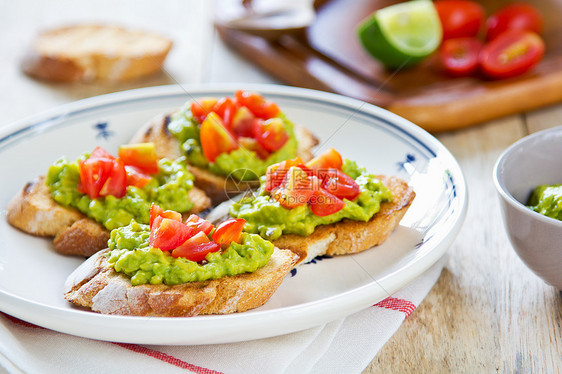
515	16
329	159
94	172
215	138
135	177
141	155
99	152
196	253
460	18
225	108
252	144
271	134
256	103
228	231
156	211
322	203
340	184
275	173
186	249
201	108
243	123
167	234
199	224
295	190
116	183
512	53
459	57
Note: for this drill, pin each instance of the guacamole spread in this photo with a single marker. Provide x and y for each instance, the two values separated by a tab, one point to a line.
169	189
547	200
265	216
236	163
132	255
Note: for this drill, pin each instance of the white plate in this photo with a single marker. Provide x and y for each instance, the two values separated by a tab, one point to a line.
32	273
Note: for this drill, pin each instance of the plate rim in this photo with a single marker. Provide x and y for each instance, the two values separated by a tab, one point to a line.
12	304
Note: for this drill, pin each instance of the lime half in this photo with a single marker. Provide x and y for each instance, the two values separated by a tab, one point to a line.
402	34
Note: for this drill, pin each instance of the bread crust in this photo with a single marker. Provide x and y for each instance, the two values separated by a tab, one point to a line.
95	52
34	211
95	285
217	187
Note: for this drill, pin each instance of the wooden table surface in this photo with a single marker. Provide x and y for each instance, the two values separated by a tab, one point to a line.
487	312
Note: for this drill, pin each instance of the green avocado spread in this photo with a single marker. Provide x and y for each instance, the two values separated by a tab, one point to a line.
547	200
132	255
265	216
169	189
236	163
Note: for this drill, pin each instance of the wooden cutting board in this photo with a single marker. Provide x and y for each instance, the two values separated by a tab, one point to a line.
328	56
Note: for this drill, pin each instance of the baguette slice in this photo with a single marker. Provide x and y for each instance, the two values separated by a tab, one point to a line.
91	52
346	236
34	211
95	285
217	187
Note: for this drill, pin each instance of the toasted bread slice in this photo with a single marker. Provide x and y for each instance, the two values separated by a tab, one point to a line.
34	211
95	285
347	236
92	52
217	187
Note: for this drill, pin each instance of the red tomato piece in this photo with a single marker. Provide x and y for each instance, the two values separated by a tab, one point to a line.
257	104
116	183
459	57
94	172
460	18
275	173
197	252
156	211
512	53
228	232
225	108
252	144
141	155
271	134
329	159
199	224
201	108
340	184
99	152
167	234
322	203
135	177
215	138
295	190
243	123
515	16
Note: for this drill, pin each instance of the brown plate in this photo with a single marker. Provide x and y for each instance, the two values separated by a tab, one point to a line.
328	56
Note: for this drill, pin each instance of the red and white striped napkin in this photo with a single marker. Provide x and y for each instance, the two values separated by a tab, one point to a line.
346	345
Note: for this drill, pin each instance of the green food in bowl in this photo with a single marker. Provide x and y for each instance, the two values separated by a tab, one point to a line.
547	200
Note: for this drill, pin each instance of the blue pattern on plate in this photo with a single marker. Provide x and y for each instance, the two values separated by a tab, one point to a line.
103	130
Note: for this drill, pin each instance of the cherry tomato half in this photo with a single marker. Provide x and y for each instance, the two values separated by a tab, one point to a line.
460	18
167	234
228	231
196	248
329	159
516	16
140	155
215	138
271	134
459	57
512	53
340	184
322	203
295	190
257	104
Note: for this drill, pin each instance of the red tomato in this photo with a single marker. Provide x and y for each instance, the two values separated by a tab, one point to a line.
156	211
276	173
460	18
215	138
512	53
135	177
516	16
252	144
116	183
99	152
271	134
141	155
243	123
459	57
329	159
225	108
228	231
322	203
199	224
167	234
260	107
197	252
340	184
295	190
202	107
93	175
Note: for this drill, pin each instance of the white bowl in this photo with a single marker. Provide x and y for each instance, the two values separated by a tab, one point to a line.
528	163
